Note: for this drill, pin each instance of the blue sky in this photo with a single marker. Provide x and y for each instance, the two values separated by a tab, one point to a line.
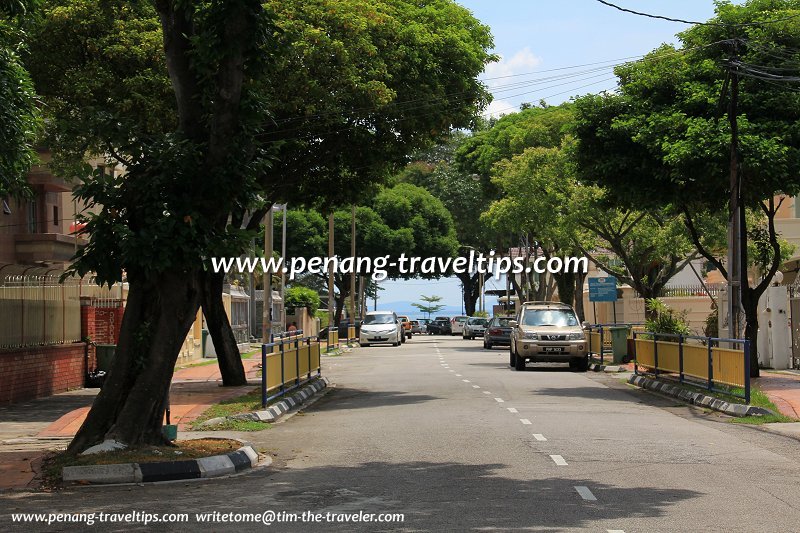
536	35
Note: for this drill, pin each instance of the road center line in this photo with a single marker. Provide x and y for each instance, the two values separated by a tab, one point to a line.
557	459
615	530
512	410
539	437
585	493
466	381
486	392
525	421
499	400
476	387
458	375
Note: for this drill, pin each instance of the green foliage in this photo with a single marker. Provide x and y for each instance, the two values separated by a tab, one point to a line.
412	207
323	317
20	120
302	297
711	329
665	138
664	319
430	306
483	314
359	85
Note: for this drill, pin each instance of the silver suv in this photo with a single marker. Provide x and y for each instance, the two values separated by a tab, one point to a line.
548	332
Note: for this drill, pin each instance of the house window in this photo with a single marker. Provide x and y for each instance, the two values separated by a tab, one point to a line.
32	215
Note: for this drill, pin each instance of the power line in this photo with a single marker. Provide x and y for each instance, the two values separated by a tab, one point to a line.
428	102
695	22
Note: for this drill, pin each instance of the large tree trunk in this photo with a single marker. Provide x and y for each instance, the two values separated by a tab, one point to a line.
750	305
566	287
580	279
130	407
228	357
470	291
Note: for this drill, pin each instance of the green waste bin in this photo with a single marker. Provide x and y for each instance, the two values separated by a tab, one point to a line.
619	342
105	356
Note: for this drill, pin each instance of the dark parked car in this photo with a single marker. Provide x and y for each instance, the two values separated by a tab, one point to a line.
498	332
440	327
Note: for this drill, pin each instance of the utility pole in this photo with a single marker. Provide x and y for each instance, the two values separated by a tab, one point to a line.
736	267
353	273
283	272
330	271
266	319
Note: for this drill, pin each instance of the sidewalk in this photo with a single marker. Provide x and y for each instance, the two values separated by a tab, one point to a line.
32	429
783	389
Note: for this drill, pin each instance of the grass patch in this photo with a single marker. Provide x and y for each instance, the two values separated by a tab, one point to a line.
180	450
238	425
758	398
245	403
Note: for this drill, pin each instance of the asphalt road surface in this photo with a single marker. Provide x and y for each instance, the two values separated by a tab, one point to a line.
447	434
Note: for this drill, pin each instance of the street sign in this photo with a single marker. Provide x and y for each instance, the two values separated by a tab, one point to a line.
603	289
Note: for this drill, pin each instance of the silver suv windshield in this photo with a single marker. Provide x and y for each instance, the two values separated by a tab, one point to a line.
549	317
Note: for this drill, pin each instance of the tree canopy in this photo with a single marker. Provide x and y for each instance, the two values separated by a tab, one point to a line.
19	106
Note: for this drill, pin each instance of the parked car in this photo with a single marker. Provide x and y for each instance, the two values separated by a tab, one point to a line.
406	323
423	325
440	327
548	332
447	318
380	327
475	326
457	324
498	332
416	327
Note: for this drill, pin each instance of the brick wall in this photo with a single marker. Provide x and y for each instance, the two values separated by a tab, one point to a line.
101	325
40	371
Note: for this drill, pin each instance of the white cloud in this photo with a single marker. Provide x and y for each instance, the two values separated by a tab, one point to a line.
520	63
498	108
500	75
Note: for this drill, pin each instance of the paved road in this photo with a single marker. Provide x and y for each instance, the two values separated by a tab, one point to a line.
449	435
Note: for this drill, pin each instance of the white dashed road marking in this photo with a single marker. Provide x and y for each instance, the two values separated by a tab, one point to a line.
476	387
557	459
499	400
615	530
458	375
539	436
466	381
512	410
525	421
585	493
486	392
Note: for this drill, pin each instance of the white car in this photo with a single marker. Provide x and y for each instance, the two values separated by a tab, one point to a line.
380	327
457	324
475	327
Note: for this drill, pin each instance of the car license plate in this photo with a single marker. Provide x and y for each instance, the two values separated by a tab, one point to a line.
557	349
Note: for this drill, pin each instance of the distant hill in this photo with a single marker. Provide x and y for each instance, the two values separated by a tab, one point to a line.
405	308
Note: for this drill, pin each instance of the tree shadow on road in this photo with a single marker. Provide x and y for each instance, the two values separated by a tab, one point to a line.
348	398
433	496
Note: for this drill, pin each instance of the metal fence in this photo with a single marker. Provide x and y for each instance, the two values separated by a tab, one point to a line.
287	363
714	289
39	311
693	358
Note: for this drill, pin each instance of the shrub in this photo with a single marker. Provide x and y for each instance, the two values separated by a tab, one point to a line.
302	297
664	319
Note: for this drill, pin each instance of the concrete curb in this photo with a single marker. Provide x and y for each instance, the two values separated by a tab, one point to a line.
206	467
279	409
596	367
697	398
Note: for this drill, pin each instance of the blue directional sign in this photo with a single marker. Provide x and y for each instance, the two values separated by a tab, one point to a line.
603	289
